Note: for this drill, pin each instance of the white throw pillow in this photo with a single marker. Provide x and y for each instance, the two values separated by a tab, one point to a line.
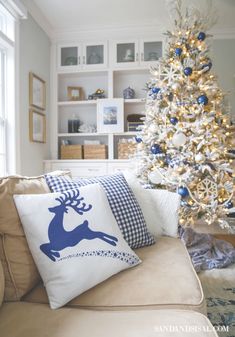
74	239
160	207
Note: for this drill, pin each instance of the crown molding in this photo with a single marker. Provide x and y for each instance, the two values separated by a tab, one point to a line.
227	33
130	31
109	32
16	8
39	17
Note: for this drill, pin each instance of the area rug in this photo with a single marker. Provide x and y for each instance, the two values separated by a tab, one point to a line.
219	289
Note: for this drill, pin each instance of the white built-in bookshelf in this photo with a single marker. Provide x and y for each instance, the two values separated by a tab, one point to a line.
110	65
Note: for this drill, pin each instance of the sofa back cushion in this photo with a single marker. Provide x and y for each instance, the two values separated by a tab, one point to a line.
2	284
19	268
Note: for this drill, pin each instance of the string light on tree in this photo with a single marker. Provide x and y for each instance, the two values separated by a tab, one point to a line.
186	137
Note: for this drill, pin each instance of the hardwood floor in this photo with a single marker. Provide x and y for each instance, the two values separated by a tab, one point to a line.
226	237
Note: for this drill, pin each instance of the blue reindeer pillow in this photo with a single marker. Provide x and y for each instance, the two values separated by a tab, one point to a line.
74	239
122	201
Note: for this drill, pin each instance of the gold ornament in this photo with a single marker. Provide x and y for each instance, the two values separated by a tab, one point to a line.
207	190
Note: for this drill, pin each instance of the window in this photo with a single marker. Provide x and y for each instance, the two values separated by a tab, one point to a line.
10	12
2	113
7	93
7	23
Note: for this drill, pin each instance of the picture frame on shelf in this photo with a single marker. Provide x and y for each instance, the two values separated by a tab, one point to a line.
37	126
37	92
110	117
75	93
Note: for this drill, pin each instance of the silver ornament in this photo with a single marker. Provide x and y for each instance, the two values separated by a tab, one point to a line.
155	177
199	158
179	139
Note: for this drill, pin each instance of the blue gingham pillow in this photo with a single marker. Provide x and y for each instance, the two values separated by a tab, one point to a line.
122	201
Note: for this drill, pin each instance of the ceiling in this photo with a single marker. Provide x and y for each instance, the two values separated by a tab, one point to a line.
72	15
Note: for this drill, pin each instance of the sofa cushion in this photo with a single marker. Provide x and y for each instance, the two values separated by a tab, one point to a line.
74	239
164	279
37	320
2	283
122	201
19	268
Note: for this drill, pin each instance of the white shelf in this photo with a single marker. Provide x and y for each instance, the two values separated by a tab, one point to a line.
82	71
94	102
82	134
135	100
125	133
74	103
131	69
95	134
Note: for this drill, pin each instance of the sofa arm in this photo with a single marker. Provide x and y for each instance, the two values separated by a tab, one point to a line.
2	283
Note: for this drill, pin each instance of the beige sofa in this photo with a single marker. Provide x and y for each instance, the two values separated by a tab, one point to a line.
162	292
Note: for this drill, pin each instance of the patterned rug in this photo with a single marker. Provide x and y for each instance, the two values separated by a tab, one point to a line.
219	290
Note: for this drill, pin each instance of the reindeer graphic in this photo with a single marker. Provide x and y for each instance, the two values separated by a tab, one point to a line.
59	238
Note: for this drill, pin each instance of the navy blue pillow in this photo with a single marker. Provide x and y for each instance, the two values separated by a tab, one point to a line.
122	201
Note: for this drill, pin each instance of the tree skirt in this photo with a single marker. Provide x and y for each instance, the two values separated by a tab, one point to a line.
219	290
207	252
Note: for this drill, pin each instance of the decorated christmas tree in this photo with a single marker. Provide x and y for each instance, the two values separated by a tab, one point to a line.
184	144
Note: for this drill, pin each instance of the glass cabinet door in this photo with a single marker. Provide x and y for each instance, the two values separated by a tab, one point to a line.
126	53
95	55
69	56
150	51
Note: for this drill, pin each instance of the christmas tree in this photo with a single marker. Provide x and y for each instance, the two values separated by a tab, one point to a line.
185	140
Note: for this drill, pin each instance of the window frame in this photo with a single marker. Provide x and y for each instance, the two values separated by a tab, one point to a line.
8	90
3	154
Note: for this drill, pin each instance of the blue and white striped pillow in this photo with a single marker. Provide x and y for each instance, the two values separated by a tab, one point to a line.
122	201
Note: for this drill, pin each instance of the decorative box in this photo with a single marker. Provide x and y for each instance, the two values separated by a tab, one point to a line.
126	149
71	151
95	151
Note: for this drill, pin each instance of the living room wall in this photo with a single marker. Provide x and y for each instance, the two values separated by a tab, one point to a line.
223	56
34	56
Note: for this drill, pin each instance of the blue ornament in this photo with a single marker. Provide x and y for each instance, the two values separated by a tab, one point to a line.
174	120
201	36
155	90
183	191
156	149
208	66
188	71
171	97
138	139
178	51
229	204
202	100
